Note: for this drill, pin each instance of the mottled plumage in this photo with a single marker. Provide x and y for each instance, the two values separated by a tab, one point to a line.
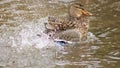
77	20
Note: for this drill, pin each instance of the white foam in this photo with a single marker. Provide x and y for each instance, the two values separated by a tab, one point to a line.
27	35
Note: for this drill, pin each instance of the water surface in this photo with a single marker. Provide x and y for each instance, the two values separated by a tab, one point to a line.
22	20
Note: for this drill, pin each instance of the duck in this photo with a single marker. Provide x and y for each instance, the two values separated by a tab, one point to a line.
78	19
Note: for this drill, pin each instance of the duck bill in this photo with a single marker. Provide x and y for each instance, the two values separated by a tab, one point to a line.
86	13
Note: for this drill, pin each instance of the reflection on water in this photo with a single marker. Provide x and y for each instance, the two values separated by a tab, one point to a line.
22	20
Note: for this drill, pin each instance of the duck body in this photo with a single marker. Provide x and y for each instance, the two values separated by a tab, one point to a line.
81	24
78	19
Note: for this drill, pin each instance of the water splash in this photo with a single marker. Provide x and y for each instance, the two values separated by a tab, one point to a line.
32	34
25	34
30	37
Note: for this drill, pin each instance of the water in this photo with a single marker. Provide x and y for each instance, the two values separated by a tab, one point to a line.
21	21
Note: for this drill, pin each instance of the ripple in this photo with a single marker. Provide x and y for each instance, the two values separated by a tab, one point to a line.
5	1
113	57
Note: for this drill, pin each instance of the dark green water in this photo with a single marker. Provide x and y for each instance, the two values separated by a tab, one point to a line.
20	21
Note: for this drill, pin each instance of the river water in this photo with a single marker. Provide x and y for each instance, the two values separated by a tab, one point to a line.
22	20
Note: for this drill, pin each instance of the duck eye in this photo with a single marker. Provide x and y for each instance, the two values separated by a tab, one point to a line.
77	7
81	5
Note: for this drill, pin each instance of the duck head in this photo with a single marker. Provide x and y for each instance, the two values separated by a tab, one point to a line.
76	10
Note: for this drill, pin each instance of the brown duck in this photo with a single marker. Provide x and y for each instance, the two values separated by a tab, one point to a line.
78	19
